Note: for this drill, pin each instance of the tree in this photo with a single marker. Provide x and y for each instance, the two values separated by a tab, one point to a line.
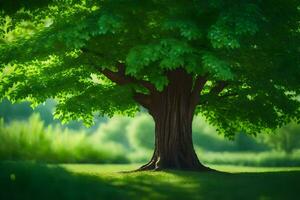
235	62
286	139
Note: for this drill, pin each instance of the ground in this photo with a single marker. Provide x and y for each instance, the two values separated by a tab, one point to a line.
19	180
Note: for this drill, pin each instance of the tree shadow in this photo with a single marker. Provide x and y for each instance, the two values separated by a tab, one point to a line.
43	182
281	185
39	181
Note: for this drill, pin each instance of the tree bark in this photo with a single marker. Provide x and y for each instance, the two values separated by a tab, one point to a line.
173	110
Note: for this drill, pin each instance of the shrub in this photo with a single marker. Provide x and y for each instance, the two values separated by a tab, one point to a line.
141	132
114	130
30	140
266	159
285	139
206	137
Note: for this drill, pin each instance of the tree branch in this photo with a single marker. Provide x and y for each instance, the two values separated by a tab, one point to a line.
142	99
216	90
86	50
120	77
219	87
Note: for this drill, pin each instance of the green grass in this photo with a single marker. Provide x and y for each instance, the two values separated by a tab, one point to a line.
19	180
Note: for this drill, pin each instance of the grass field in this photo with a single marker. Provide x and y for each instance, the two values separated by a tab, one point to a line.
19	180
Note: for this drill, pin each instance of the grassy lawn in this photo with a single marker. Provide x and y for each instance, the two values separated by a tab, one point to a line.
20	180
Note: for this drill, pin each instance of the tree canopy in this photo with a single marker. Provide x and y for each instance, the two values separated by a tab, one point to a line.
103	56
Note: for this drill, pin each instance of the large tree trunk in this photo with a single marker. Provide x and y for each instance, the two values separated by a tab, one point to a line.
173	110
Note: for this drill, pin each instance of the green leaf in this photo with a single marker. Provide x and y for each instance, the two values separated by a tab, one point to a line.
218	68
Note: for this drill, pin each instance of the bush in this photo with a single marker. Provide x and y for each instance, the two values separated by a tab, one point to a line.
141	132
285	139
123	140
140	156
21	140
206	137
265	159
114	130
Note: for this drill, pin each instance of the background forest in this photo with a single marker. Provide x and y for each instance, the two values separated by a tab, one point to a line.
33	135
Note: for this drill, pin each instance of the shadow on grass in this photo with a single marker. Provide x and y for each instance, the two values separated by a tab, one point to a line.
255	185
36	181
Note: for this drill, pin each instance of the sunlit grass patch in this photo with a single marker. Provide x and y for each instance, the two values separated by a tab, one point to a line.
85	181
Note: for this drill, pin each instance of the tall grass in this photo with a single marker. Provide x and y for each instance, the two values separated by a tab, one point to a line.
121	140
31	140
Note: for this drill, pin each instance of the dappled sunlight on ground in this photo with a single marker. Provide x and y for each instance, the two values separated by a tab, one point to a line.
38	181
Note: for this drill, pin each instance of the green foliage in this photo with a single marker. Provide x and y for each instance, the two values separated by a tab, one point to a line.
219	68
265	159
10	112
22	111
285	139
206	137
51	49
141	132
187	29
109	24
113	131
233	24
246	143
31	140
123	140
